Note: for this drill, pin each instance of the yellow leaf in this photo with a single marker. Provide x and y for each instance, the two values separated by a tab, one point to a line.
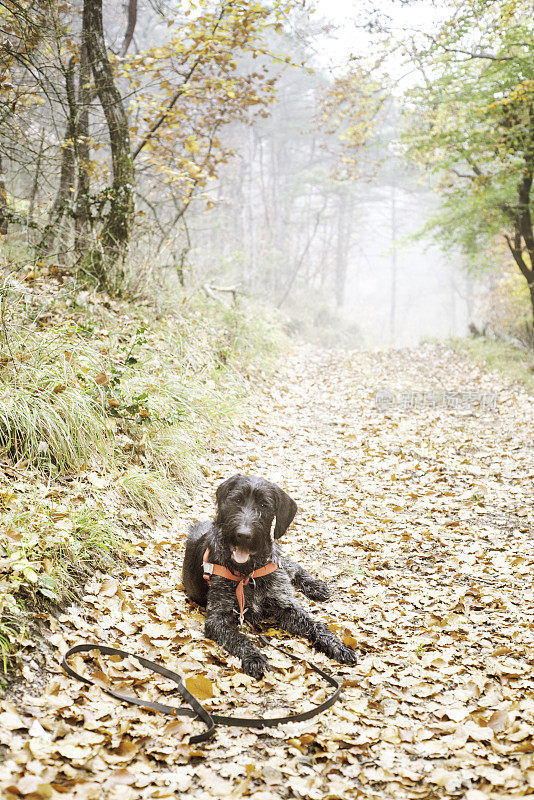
200	686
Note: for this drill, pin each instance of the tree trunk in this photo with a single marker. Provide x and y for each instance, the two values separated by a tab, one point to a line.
250	210
516	249
393	263
3	202
342	246
83	211
107	262
524	229
300	261
36	179
130	26
523	237
68	170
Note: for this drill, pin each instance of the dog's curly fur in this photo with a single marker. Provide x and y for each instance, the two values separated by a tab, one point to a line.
247	507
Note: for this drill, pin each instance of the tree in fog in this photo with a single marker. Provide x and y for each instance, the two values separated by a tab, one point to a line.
471	122
99	127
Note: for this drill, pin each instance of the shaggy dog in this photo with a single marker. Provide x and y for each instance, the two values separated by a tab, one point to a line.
240	540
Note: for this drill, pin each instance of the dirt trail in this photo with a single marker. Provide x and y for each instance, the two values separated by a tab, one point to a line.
413	471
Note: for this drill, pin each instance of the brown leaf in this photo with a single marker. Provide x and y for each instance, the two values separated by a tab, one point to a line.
102	379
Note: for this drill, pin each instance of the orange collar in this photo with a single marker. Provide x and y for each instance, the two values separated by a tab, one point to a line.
222	572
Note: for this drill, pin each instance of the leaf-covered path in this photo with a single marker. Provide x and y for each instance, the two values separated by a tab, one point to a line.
416	509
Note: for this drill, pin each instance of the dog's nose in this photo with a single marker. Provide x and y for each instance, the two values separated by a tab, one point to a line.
244	534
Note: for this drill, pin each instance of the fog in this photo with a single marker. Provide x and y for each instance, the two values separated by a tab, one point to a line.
338	257
398	294
341	259
397	291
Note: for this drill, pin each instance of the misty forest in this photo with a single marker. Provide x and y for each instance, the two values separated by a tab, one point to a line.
268	265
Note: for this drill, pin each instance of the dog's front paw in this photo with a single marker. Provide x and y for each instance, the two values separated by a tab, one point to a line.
341	652
315	589
255	665
346	655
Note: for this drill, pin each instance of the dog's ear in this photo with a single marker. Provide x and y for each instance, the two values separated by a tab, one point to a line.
224	489
286	508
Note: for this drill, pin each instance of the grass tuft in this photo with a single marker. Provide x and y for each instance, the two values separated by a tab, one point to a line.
9	630
149	490
175	451
50	411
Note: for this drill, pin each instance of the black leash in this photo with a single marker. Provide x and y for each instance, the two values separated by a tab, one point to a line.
196	709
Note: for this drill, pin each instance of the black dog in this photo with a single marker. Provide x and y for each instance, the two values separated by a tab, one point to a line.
240	542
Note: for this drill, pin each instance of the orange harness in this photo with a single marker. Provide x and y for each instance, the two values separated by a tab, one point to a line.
216	569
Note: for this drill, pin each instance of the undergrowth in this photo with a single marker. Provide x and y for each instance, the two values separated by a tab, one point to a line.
107	413
513	362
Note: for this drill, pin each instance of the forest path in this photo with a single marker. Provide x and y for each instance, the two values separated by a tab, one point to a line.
414	507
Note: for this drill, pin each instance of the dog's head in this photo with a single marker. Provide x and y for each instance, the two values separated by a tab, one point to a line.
247	506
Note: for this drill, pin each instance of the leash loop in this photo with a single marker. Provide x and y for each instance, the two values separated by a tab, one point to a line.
196	709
